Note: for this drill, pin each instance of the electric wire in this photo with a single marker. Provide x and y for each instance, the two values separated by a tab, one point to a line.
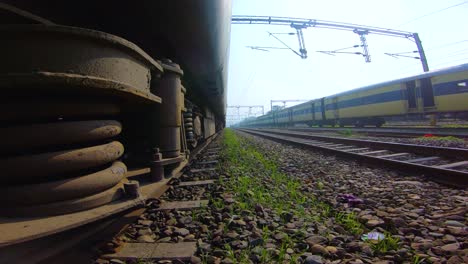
447	45
430	14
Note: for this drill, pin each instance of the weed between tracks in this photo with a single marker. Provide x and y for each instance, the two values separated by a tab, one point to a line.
441	139
385	245
346	132
255	182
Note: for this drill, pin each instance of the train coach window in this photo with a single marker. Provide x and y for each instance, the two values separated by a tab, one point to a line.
427	93
462	87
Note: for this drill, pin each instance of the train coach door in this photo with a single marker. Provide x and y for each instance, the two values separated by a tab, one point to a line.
290	117
313	112
322	107
411	95
336	114
427	93
274	118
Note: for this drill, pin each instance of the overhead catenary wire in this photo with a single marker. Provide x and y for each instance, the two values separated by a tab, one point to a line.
362	31
452	61
430	14
447	45
412	68
286	45
453	54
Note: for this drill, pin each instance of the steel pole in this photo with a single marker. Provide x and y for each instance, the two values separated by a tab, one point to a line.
422	55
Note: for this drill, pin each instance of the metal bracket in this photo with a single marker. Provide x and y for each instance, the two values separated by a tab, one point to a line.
362	36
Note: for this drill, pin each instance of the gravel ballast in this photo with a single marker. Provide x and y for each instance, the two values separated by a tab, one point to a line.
429	219
273	203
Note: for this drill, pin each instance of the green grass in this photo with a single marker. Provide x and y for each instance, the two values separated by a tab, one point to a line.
255	179
447	138
217	203
350	222
383	246
229	252
454	125
345	132
417	259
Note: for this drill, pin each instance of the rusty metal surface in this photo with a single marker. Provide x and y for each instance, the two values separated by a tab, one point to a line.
12	15
54	191
193	33
66	206
63	63
26	110
168	161
22	229
446	176
70	84
180	251
40	135
75	61
57	163
169	113
34	250
75	50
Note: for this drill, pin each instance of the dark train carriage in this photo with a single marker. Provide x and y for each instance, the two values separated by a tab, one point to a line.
98	94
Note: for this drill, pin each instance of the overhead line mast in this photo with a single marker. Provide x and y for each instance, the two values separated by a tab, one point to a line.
362	31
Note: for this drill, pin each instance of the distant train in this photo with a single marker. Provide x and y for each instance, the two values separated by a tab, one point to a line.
443	91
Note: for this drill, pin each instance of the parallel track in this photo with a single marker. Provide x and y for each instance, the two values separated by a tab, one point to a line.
444	165
394	131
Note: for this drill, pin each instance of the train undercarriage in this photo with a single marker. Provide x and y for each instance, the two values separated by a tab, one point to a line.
92	124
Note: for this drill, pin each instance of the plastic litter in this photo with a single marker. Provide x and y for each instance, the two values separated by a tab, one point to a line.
373	236
350	199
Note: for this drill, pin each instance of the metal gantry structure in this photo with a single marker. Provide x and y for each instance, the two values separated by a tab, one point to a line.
302	23
250	107
238	116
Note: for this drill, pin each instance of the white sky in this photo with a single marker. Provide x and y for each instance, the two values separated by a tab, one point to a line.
256	77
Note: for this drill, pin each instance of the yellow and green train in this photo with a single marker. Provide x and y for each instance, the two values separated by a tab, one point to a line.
443	91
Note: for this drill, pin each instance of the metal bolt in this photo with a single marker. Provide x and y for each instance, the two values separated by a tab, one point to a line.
132	189
157	170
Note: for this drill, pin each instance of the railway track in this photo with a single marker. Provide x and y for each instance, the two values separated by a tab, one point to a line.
394	131
165	230
444	165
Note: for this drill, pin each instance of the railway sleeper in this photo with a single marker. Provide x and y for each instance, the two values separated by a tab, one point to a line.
448	172
172	201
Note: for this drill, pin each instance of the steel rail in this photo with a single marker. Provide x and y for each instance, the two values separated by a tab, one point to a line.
458	153
409	132
442	175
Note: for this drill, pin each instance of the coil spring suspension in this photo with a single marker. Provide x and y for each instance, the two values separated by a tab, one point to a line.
63	91
188	122
54	164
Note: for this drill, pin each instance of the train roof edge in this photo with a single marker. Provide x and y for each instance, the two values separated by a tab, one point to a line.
428	74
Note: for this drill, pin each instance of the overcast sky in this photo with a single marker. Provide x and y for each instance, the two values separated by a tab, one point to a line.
256	77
